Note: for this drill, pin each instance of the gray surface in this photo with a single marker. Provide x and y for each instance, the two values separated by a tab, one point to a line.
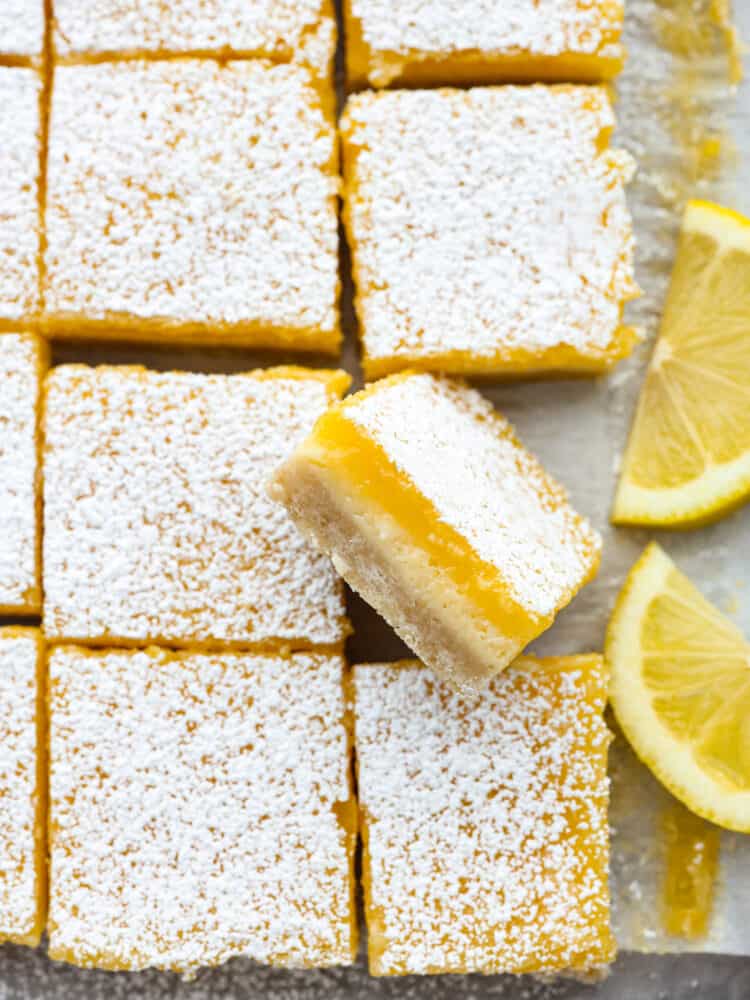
578	429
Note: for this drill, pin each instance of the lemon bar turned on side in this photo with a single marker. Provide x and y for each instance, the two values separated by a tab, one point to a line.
23	856
201	808
484	819
23	360
433	511
157	522
489	230
192	200
428	42
284	30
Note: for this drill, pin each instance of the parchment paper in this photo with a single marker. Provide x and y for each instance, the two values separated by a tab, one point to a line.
667	106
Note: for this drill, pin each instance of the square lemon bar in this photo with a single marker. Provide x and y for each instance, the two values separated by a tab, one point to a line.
282	30
23	360
484	819
428	42
157	522
23	860
489	230
200	808
192	200
21	31
20	164
444	523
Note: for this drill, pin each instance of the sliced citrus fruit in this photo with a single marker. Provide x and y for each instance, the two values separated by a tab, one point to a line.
680	689
688	458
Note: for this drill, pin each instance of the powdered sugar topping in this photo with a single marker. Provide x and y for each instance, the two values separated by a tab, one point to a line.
274	28
21	28
18	747
19	406
486	818
536	27
157	521
460	454
190	192
487	221
193	807
19	179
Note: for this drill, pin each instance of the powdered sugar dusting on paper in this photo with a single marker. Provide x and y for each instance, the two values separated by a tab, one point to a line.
158	525
487	220
460	454
18	748
276	28
486	828
537	27
192	192
19	405
19	179
193	809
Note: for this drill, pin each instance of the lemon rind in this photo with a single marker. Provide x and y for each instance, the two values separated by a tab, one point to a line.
713	495
729	229
631	702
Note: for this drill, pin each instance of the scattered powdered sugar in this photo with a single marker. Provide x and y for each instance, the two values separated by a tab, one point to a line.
461	455
18	782
487	220
158	525
276	28
536	27
19	180
486	825
193	807
19	407
192	192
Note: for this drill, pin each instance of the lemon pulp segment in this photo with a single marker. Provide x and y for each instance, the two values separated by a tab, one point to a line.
681	690
688	458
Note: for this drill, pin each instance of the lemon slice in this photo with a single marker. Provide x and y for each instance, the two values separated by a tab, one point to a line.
680	689
688	458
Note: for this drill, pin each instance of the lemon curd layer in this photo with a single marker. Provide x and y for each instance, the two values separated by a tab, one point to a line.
437	515
363	466
692	861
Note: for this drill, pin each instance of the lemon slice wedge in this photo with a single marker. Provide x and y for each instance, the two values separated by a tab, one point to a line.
688	458
680	689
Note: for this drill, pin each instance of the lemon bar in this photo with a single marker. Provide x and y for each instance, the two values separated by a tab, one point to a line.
195	201
23	862
200	808
444	523
157	522
23	359
21	31
489	230
283	30
484	819
428	42
20	158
